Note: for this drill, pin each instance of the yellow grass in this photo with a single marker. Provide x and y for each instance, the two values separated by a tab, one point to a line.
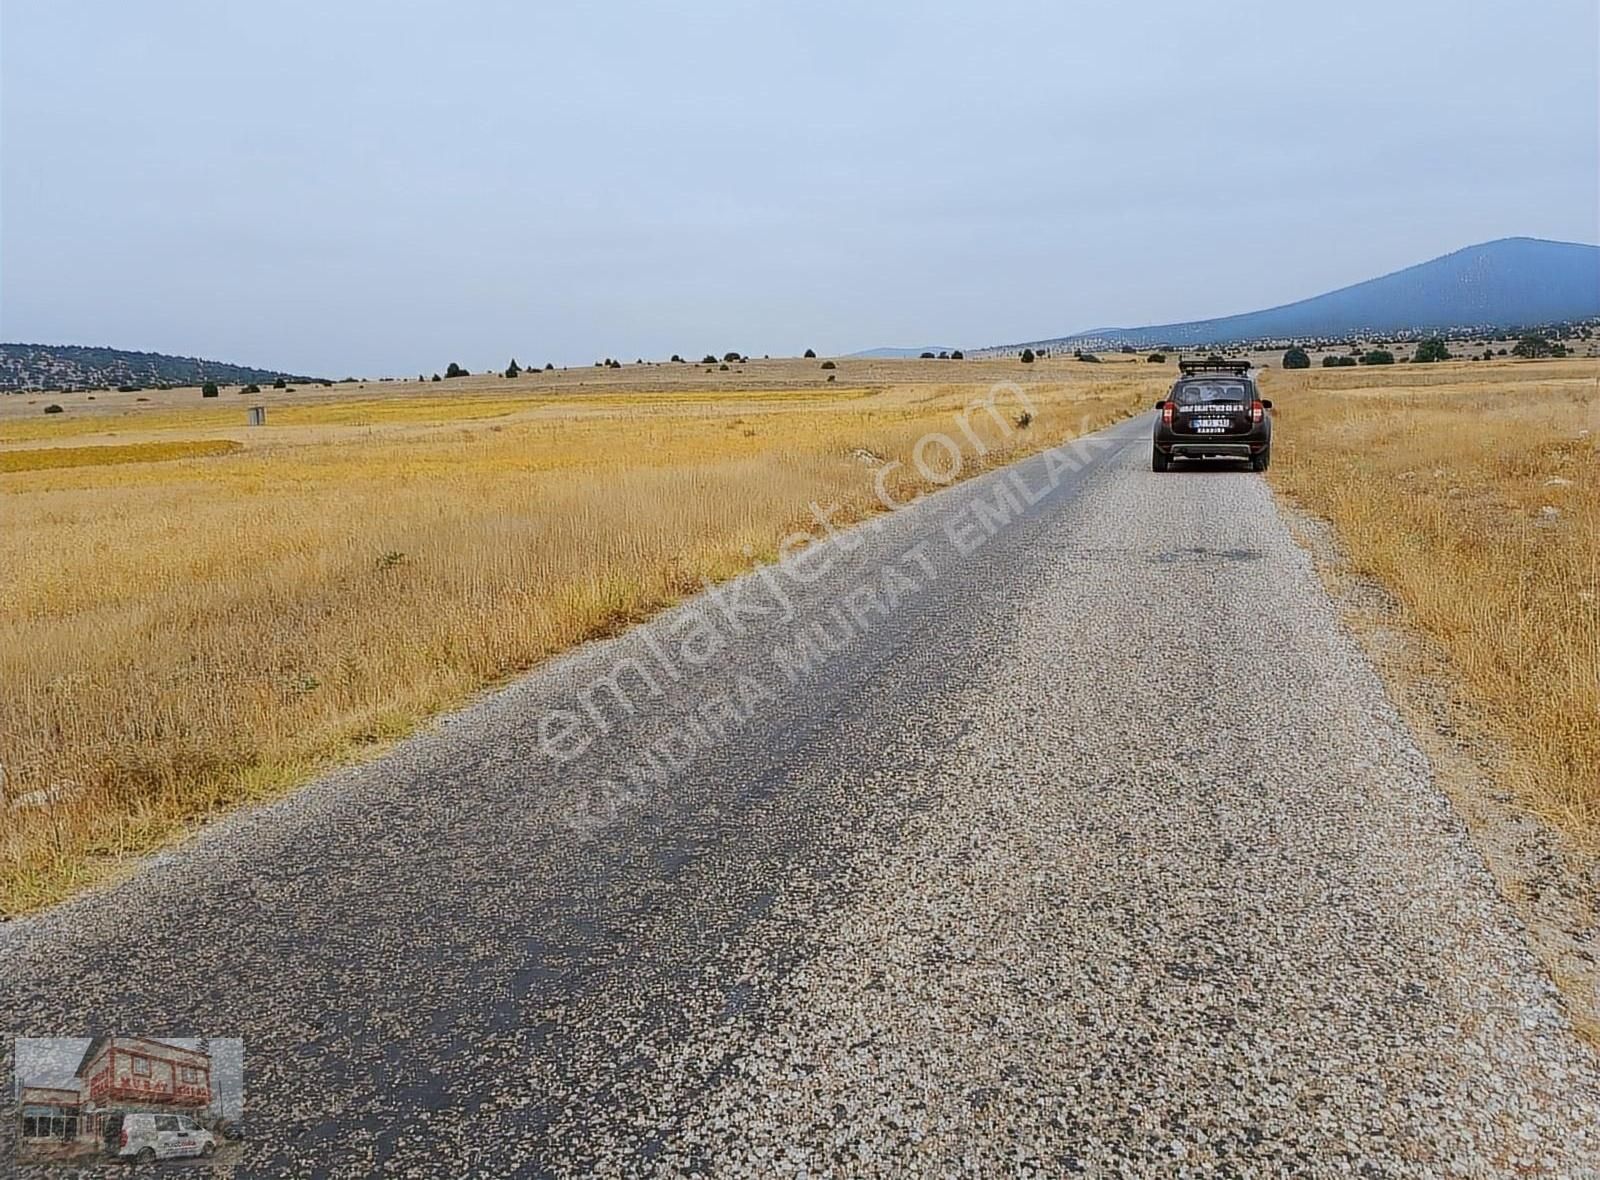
180	637
1440	481
39	458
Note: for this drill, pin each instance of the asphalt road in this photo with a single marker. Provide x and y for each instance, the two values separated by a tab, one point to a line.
1087	841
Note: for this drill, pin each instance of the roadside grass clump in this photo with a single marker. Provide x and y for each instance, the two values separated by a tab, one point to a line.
1470	491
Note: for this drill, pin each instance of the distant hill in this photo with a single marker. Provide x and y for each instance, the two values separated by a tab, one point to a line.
891	353
1510	283
73	366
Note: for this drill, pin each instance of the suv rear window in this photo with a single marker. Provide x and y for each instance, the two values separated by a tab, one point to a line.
1210	391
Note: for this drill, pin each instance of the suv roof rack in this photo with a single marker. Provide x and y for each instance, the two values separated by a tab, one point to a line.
1239	367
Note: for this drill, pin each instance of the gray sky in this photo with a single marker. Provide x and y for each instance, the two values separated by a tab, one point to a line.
368	188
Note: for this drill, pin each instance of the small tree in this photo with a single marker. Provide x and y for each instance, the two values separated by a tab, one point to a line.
435	377
1296	358
708	359
1378	356
829	365
957	355
209	389
1156	358
251	388
1430	350
810	354
1532	346
730	357
280	383
676	359
455	370
1027	356
513	369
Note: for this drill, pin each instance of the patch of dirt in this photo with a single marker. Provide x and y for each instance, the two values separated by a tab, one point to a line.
1551	882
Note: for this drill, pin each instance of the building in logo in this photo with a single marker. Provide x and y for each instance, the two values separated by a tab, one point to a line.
141	1074
50	1112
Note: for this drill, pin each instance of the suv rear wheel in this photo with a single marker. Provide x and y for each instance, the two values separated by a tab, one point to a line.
1158	461
1262	459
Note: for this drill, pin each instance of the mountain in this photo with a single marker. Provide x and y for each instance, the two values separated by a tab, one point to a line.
1509	283
890	353
73	366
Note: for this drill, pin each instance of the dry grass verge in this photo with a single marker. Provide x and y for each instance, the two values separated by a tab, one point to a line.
1470	492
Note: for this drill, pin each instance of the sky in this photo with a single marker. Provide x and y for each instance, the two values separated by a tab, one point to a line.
363	188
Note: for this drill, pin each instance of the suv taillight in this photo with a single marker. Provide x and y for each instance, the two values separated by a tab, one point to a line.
1256	411
122	1139
1166	413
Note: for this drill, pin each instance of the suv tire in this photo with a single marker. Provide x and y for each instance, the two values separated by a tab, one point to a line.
146	1157
1159	461
1262	460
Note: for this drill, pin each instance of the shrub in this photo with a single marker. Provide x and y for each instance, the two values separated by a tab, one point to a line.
209	389
732	356
52	408
829	365
435	377
958	355
676	359
1128	348
708	359
455	370
1378	356
280	383
513	369
810	354
1430	350
927	356
1296	358
1157	358
1024	420
1337	362
723	368
833	376
129	388
1089	358
251	388
1027	356
548	366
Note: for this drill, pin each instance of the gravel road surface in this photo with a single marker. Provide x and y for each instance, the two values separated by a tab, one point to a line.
1052	826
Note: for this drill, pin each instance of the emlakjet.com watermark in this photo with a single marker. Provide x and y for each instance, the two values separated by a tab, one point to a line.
669	652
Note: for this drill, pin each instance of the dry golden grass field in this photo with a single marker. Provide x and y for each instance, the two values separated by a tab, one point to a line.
1470	491
196	614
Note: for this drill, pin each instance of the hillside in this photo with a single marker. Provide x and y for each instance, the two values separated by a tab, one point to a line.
73	366
1512	282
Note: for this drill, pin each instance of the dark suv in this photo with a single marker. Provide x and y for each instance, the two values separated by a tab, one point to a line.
1213	411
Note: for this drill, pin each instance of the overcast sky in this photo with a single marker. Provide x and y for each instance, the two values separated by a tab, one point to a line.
370	188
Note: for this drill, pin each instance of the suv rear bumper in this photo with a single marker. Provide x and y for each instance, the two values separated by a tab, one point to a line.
1240	450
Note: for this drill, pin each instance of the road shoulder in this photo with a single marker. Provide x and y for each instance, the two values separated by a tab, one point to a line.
1551	883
